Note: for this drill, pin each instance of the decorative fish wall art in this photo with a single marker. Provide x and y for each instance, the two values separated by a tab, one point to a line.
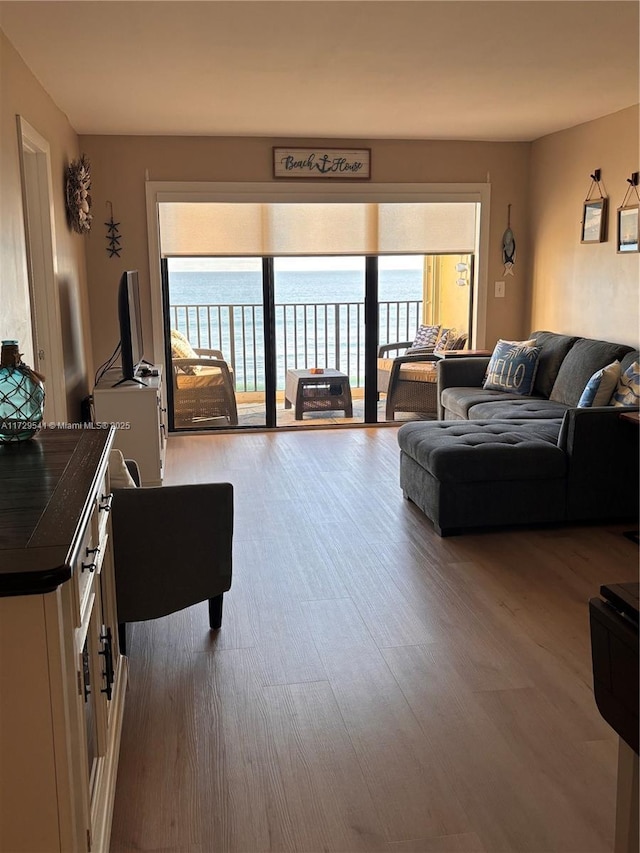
508	246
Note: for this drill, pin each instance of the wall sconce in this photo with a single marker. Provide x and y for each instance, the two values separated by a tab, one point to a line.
628	217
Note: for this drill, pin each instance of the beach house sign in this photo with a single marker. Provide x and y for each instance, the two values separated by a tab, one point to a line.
341	163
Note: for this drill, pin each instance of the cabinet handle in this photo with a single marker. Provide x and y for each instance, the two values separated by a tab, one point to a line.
105	502
92	551
90	566
86	674
107	652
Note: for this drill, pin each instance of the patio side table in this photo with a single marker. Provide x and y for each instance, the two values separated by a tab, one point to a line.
318	392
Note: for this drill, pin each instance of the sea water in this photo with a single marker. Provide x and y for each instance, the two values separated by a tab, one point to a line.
319	335
310	286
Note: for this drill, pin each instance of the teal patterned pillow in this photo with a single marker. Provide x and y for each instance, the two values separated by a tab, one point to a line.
627	392
598	390
512	368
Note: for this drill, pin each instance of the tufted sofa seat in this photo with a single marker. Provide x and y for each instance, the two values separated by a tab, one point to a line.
464	474
467	474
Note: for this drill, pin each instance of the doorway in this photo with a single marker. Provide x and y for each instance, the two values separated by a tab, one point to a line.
37	195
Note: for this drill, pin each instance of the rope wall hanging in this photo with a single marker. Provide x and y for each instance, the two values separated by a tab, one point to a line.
628	217
594	212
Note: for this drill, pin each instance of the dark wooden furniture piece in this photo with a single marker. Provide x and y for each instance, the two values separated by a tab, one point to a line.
63	677
614	650
318	392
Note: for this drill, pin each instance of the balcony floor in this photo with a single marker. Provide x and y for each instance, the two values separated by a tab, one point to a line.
251	414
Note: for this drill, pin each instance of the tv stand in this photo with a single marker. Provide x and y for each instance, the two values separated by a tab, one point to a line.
138	410
129	379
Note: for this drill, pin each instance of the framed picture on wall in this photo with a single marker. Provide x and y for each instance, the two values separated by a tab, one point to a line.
594	221
628	229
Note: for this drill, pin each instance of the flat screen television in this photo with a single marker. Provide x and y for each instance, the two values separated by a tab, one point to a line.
131	344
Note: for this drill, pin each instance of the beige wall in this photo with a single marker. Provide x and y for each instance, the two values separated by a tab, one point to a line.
583	289
120	163
20	93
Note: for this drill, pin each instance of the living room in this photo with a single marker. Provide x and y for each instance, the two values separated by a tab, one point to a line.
558	283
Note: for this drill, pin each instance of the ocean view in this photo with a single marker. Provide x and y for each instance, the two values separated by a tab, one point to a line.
311	286
319	317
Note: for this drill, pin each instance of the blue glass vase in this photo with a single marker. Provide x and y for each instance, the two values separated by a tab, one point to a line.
21	396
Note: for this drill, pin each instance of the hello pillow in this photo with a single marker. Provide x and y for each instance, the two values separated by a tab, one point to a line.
512	367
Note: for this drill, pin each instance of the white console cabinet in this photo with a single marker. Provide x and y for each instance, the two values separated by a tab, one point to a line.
139	414
62	675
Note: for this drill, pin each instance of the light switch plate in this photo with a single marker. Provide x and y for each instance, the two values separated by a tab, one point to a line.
499	289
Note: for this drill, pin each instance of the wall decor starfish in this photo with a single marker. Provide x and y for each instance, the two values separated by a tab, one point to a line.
113	236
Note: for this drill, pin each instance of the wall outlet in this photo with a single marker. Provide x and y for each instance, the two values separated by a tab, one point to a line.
499	289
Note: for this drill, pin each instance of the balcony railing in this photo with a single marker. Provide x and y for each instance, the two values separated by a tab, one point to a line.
308	334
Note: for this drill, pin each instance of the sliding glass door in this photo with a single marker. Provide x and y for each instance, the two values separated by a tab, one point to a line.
319	339
263	342
214	329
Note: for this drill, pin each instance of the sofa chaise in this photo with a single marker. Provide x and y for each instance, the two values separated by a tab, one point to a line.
500	458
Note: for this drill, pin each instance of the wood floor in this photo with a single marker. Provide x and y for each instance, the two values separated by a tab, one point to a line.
373	687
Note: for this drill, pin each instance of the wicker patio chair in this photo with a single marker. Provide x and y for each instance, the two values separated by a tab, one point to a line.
453	341
203	385
413	385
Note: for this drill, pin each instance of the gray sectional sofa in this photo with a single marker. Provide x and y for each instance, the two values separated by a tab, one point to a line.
498	458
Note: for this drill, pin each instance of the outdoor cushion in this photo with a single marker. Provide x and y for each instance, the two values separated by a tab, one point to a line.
553	349
419	371
584	358
205	378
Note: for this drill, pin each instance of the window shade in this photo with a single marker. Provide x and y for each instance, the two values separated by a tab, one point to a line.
192	229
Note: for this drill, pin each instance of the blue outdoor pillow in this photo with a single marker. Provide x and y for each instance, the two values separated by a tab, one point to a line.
512	367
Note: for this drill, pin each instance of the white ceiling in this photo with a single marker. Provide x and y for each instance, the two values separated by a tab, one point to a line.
434	69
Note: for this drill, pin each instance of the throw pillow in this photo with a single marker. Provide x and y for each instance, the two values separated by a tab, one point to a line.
600	387
426	336
181	348
119	475
456	341
512	367
627	391
441	343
